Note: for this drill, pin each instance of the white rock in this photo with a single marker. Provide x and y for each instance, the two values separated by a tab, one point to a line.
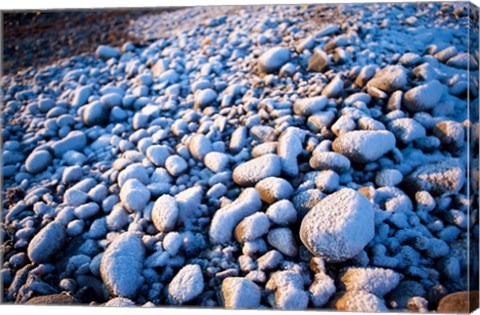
389	79
253	171
423	97
240	293
339	226
134	195
176	165
158	154
187	285
216	161
322	288
47	243
165	213
360	301
309	106
38	161
377	281
334	88
272	189
327	181
273	59
450	133
329	161
283	240
363	146
282	213
388	177
406	129
199	146
204	98
133	171
252	227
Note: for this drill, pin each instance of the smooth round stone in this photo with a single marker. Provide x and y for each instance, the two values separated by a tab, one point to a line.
253	171
273	59
38	161
47	243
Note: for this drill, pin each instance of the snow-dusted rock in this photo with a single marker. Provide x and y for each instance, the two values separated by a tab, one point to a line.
133	171
121	265
75	140
187	285
360	301
252	227
165	213
106	52
253	171
339	226
38	161
388	177
240	293
329	161
423	97
389	79
134	195
47	243
363	146
283	240
273	59
216	161
95	113
450	133
309	106
322	288
334	88
176	165
319	60
204	98
199	146
282	212
272	189
227	218
158	154
406	129
437	178
377	281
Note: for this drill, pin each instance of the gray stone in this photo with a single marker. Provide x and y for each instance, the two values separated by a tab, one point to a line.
47	243
38	161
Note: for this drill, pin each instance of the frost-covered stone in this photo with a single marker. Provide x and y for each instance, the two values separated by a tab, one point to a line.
282	212
334	88
72	174
360	301
322	288
272	189
423	97
134	171
388	177
107	52
227	218
309	106
95	113
364	146
319	61
216	161
199	146
176	165
291	298
158	154
204	98
377	281
389	79
273	59
289	147
75	140
253	171
450	133
134	195
407	129
187	285
240	293
252	227
47	243
122	264
283	240
165	213
327	181
438	178
339	226
38	161
329	161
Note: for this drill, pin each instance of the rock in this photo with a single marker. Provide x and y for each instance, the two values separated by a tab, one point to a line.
122	264
134	195
72	174
46	104
199	146
106	52
283	240
322	288
204	98
450	133
240	293
38	161
119	302
272	189
81	95
377	281
339	226
252	227
328	30
446	54
75	140
158	154
360	301
165	213
47	243
463	61
176	165
329	161
227	218
446	176
309	106
112	99
388	177
291	298
187	285
406	129
364	146
282	213
87	210
53	299
459	302
423	97
334	88
319	61
133	171
289	148
95	113
273	59
216	161
253	171
389	79
238	139
327	181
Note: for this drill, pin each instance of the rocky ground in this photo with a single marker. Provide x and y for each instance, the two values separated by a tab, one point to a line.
287	157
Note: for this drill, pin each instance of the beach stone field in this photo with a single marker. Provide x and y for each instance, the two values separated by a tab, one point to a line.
250	157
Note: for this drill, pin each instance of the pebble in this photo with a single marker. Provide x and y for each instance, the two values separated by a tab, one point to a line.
134	195
53	299
389	79
319	61
283	240
378	281
253	171
47	243
309	106
87	210
363	146
360	301
106	52
252	227
199	146
81	95
273	59
95	113
72	174
423	97
240	293
329	161
450	133
438	178
176	165
339	226
459	302
282	213
75	140
406	129
38	161
216	161
187	285
122	264
322	288
158	154
165	213
204	98
327	181
388	177
133	171
272	189
334	88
